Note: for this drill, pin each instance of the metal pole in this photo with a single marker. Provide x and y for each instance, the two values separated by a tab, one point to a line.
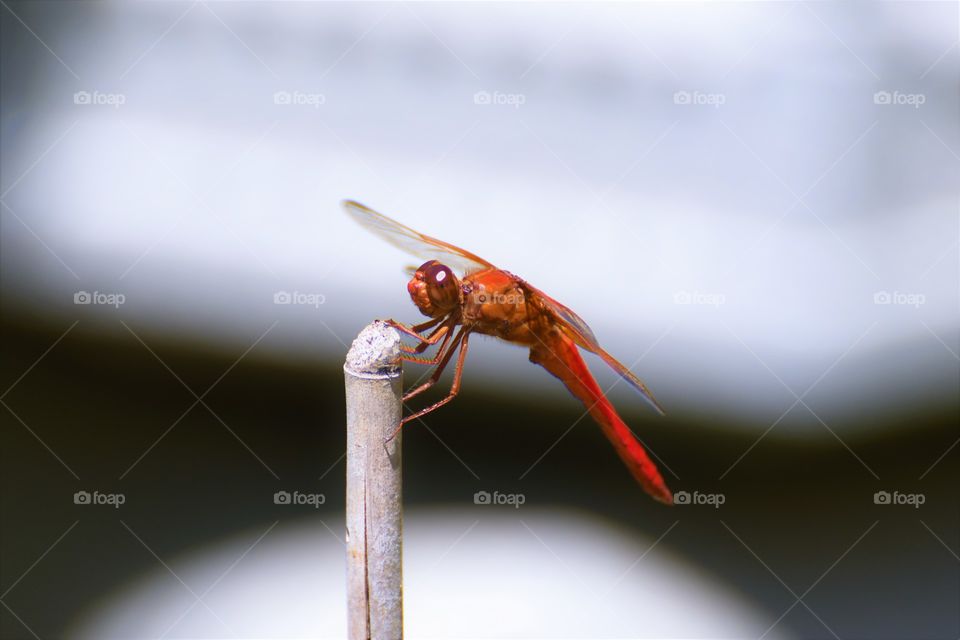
372	375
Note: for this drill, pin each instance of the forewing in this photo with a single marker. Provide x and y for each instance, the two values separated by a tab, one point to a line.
573	325
578	330
413	242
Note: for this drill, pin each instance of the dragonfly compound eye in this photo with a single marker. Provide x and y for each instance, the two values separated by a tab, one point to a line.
442	285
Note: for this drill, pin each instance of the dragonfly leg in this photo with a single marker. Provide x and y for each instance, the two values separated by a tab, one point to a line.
443	357
416	331
461	341
423	345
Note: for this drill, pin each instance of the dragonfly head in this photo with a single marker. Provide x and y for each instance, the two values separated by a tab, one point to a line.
435	289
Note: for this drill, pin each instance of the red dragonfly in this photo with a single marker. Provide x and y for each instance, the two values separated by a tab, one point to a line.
497	303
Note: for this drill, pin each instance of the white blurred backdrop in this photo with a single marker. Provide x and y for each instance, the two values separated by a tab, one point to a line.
729	194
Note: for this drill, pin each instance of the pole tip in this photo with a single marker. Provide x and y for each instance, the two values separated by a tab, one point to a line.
375	352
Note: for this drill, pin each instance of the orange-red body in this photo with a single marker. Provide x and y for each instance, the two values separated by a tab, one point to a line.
497	303
561	357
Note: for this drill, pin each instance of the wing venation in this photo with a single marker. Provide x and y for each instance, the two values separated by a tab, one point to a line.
414	242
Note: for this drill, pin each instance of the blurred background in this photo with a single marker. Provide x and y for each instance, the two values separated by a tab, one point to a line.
756	206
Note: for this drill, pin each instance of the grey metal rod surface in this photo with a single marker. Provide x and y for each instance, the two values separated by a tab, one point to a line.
373	381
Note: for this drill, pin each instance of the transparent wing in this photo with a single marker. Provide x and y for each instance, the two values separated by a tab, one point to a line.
577	329
573	325
413	242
